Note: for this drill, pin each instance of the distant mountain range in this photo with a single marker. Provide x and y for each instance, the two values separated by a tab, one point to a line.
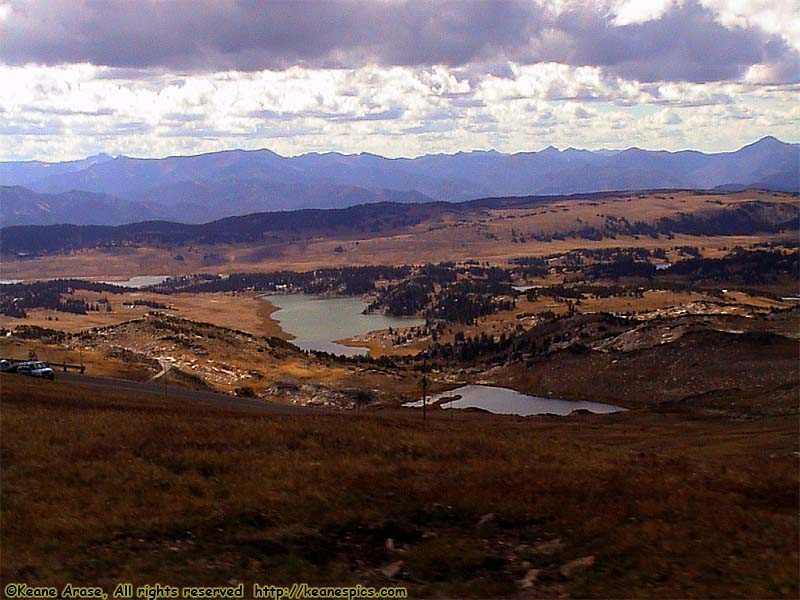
103	190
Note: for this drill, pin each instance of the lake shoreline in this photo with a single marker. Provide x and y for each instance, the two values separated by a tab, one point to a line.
271	326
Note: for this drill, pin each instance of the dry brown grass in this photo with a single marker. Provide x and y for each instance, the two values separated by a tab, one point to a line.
98	490
244	311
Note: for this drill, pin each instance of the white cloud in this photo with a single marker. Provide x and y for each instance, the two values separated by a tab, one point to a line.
781	17
57	113
553	81
627	12
682	94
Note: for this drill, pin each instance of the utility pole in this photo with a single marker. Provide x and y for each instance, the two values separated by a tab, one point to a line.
423	385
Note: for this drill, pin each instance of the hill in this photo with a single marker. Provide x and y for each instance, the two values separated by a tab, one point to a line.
678	213
21	206
187	202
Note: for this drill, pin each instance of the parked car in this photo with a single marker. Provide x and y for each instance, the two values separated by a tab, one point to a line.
34	368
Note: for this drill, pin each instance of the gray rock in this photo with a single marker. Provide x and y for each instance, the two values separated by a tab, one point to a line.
486	519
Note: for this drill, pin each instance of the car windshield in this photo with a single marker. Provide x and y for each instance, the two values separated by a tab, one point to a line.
38	365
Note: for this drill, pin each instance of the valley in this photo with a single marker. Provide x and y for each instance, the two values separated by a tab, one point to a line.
489	318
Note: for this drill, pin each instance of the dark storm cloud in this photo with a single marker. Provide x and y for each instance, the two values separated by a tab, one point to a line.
686	43
251	35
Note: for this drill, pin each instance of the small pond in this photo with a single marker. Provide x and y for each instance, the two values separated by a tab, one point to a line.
525	288
503	401
139	281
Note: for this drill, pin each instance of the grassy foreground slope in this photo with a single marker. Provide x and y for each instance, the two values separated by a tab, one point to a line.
97	490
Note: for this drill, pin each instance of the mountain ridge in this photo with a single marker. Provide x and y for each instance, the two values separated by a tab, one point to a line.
209	186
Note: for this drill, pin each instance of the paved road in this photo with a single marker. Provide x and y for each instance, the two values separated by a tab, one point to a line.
156	390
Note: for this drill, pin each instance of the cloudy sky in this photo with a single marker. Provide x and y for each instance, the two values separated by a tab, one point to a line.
394	77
